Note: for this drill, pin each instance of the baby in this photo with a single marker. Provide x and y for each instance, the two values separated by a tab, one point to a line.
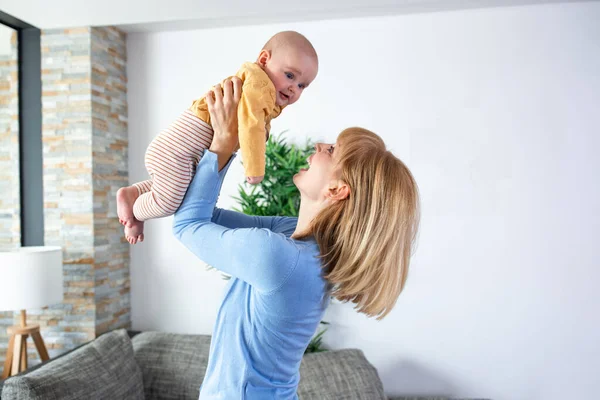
286	65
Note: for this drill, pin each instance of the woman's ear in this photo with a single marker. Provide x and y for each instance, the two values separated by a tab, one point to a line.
338	192
264	57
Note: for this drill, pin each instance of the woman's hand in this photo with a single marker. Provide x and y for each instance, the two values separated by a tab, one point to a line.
222	102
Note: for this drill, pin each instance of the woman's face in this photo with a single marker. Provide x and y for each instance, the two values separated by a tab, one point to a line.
322	171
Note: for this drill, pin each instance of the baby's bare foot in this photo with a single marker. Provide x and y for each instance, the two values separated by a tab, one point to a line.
135	232
126	196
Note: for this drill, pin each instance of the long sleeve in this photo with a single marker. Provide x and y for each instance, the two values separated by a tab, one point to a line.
258	256
254	110
234	219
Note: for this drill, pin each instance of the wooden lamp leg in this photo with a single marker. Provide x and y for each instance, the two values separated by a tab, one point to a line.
39	344
16	355
9	356
23	354
16	362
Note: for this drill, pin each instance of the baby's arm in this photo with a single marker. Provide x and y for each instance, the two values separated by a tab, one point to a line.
254	107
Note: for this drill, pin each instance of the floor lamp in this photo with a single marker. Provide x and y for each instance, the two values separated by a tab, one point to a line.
30	278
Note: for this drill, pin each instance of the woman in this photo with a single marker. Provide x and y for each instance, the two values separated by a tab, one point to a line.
352	240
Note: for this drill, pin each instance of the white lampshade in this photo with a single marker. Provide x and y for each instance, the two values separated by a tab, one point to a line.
30	277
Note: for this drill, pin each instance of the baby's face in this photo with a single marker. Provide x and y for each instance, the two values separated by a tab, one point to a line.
291	72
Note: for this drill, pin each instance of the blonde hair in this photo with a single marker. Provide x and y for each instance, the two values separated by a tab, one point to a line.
366	240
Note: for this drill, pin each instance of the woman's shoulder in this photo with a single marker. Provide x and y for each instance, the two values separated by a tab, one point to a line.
307	263
284	225
287	261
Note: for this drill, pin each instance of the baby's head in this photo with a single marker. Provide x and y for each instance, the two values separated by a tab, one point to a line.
291	63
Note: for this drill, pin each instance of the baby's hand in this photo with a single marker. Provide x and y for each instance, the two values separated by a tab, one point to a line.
253	180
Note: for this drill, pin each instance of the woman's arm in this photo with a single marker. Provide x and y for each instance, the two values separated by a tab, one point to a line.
260	257
234	219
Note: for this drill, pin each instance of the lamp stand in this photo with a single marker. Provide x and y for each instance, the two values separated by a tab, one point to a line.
16	355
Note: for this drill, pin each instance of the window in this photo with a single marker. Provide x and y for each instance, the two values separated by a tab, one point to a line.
10	197
21	192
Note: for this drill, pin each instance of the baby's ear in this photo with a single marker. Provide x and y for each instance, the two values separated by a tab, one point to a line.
264	57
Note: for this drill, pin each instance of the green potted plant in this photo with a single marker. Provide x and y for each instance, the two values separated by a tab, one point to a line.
276	194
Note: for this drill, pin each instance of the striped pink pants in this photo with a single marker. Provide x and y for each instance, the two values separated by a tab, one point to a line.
171	161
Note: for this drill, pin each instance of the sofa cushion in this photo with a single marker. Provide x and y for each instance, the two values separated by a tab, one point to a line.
340	375
102	369
173	365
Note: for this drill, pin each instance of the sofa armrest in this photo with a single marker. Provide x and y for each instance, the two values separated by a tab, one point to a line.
103	368
130	333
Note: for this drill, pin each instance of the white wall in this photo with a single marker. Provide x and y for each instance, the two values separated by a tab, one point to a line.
497	112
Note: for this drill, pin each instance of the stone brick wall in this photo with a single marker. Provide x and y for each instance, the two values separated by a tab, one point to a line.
68	189
109	173
84	107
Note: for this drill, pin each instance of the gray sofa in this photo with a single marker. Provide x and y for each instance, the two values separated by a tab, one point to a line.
163	366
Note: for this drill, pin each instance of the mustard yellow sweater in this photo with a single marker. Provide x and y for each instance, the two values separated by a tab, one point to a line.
256	110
